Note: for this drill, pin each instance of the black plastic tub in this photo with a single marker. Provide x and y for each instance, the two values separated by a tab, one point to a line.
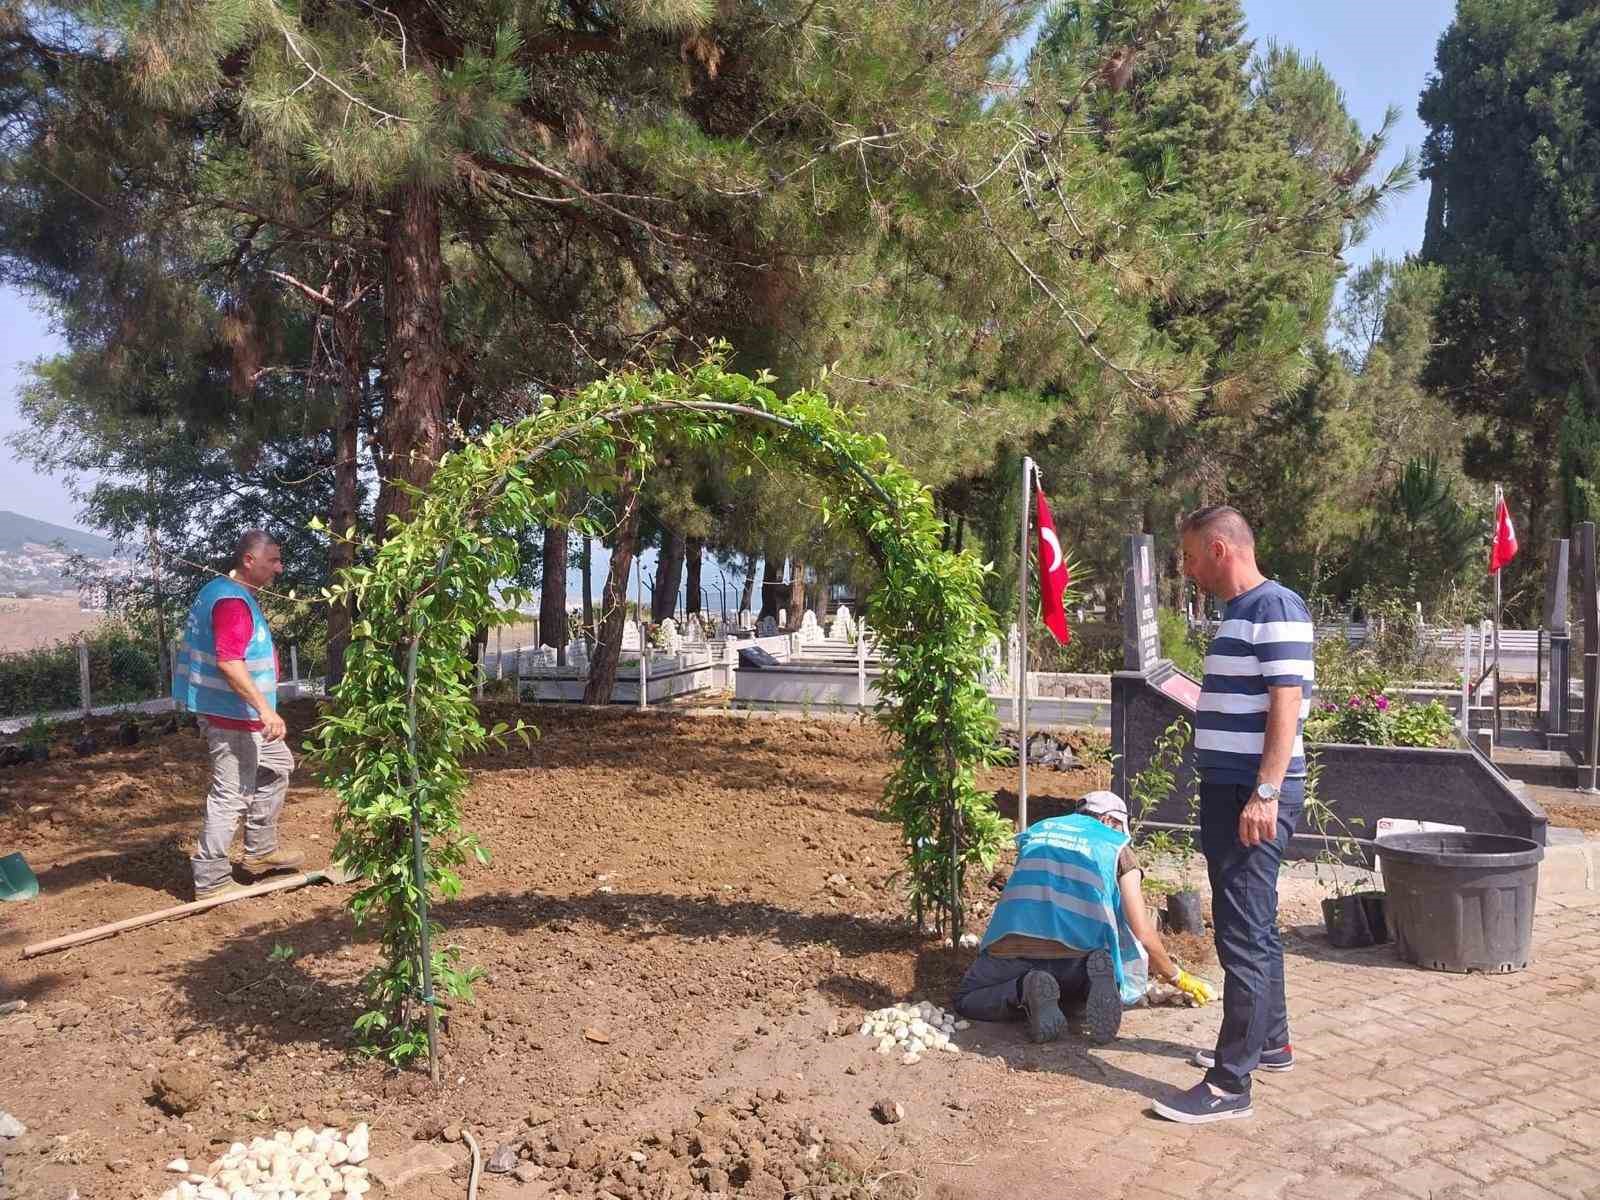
1461	901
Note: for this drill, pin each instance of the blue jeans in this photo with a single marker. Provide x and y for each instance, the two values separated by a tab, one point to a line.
1244	912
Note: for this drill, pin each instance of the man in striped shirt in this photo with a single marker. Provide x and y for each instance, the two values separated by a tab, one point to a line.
1248	750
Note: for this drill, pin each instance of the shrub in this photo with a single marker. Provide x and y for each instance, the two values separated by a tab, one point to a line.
123	667
1372	718
1184	646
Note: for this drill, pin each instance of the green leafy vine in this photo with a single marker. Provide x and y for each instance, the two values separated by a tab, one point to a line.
428	585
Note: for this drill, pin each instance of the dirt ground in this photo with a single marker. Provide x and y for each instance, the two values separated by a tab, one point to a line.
41	621
665	952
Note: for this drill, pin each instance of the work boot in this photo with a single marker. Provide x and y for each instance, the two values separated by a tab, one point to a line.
1041	1000
1103	1010
270	863
227	886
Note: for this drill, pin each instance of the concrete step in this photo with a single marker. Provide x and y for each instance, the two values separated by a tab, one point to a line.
1570	863
1546	768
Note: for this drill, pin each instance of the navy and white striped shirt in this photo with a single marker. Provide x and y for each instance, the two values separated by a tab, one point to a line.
1264	641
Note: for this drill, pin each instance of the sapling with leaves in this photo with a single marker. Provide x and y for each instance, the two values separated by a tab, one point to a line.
1339	841
1151	788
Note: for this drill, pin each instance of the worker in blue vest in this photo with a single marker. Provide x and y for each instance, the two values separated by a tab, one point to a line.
1071	926
227	674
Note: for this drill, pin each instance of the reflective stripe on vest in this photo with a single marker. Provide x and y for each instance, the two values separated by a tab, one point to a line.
198	685
1064	889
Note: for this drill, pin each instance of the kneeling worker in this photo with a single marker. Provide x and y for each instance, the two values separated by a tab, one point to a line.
1071	924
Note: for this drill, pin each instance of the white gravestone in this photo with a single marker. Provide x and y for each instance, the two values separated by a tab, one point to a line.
810	631
630	635
994	671
671	643
844	629
766	627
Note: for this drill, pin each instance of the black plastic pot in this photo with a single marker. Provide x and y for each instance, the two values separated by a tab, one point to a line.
1376	908
1462	901
1184	913
1346	919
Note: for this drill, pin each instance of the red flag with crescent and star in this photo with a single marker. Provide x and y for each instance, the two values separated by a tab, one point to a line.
1054	577
1504	547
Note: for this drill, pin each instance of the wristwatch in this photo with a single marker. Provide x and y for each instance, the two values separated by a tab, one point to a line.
1266	792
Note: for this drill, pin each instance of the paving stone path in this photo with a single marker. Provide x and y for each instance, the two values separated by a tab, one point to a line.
1407	1083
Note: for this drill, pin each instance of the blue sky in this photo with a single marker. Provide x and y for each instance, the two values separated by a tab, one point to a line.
1380	53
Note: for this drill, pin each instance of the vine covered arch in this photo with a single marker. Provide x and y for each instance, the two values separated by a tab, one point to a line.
403	717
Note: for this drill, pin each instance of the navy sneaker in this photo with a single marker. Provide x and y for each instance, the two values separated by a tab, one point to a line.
1103	1010
1041	998
1281	1059
1200	1105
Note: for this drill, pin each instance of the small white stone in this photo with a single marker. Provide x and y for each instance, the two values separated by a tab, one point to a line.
951	1048
210	1191
886	1045
901	1030
230	1180
338	1153
329	1132
238	1150
636	1156
180	1165
963	1024
915	1046
302	1138
196	1178
242	1193
356	1187
188	1191
356	1142
170	1194
911	1059
283	1137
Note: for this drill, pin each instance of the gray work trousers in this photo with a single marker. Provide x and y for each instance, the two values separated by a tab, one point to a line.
989	989
249	779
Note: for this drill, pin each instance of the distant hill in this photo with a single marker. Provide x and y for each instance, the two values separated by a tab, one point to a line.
16	530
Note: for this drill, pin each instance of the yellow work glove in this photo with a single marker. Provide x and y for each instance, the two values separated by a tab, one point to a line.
1200	992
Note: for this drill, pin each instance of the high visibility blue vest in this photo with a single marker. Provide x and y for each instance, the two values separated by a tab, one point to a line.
197	685
1064	889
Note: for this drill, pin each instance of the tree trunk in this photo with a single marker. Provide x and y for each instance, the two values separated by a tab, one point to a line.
346	491
553	590
822	600
588	590
416	354
694	553
669	573
773	588
797	592
614	600
748	593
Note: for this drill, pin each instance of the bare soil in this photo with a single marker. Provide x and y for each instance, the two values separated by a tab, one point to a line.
670	971
42	621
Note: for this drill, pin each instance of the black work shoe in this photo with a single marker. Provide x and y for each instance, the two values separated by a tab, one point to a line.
1103	1010
1041	999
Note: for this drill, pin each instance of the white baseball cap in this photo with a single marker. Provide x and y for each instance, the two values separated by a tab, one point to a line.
1105	804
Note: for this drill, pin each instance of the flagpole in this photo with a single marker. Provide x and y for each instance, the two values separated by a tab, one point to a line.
1022	649
1498	500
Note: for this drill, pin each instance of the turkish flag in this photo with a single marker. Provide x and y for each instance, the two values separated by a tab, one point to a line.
1504	547
1054	577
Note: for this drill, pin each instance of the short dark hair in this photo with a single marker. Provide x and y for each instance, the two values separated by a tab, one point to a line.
252	541
1222	519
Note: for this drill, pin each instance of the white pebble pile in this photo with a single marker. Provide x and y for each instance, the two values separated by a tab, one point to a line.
913	1029
307	1164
